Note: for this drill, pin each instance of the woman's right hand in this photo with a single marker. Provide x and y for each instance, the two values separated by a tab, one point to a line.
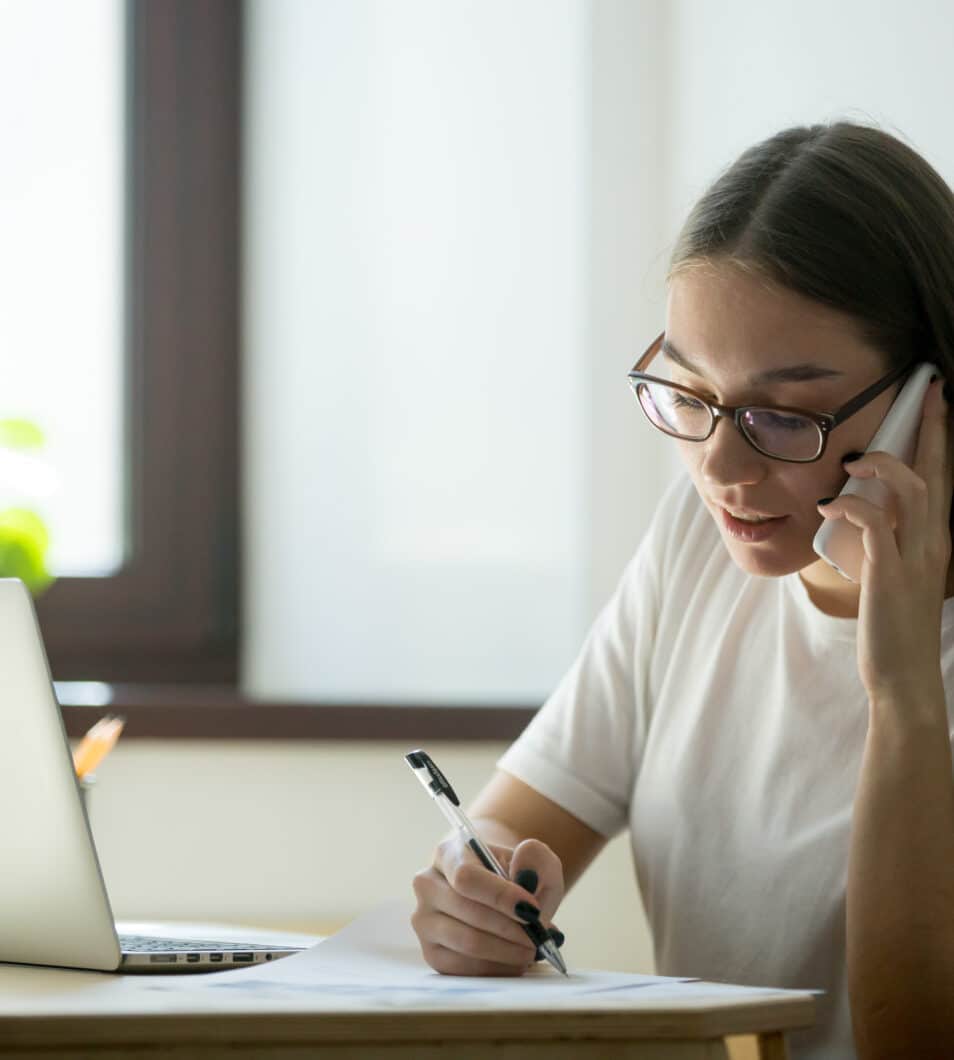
467	917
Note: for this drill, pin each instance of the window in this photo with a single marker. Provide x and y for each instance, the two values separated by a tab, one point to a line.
170	613
63	369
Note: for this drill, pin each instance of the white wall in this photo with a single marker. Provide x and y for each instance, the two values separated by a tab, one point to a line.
738	72
628	464
262	832
415	227
442	305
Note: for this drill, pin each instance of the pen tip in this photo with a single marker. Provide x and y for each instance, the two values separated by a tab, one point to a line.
556	960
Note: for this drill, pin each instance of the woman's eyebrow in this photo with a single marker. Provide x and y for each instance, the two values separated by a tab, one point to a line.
794	373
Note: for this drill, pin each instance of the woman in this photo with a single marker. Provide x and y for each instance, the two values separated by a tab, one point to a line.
776	738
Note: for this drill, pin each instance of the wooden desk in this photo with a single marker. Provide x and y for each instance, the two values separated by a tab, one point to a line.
56	1014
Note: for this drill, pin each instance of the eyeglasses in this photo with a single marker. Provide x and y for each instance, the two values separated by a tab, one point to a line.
798	436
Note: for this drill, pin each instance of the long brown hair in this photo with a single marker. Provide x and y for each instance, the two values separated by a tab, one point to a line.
848	215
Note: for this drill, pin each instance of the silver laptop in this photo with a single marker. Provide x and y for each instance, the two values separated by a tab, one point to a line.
54	908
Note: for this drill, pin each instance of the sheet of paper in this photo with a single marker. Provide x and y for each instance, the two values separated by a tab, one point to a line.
378	957
377	960
373	963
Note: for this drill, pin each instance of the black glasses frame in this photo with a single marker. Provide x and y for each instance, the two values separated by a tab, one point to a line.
825	421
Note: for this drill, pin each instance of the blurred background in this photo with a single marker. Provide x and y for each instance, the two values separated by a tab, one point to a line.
315	437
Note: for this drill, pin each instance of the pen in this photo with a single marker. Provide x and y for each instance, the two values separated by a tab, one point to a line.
438	787
96	744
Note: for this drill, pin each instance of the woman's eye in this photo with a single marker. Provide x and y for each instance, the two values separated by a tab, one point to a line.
788	423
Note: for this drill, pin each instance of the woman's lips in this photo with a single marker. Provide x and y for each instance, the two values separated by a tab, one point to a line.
751	532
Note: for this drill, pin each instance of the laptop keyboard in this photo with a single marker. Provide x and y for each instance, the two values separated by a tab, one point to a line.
151	944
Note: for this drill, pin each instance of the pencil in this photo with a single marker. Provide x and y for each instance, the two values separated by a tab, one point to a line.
97	744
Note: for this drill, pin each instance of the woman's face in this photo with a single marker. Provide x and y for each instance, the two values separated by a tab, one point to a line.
731	325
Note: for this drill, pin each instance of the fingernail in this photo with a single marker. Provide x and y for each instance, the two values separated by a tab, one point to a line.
527	912
848	457
527	879
825	500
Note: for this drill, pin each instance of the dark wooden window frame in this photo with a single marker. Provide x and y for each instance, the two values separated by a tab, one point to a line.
164	631
170	613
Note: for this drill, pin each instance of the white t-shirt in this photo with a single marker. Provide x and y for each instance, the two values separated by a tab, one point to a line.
720	715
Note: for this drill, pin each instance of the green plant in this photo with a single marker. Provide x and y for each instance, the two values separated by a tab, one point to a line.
24	538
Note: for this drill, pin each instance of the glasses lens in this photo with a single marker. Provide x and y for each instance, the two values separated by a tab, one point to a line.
784	435
673	411
781	434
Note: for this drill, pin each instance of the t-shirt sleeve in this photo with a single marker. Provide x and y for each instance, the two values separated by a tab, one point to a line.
582	748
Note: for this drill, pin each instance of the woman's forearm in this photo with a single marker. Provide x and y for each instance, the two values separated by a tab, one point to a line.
900	888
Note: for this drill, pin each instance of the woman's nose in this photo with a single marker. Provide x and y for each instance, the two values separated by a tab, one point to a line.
728	453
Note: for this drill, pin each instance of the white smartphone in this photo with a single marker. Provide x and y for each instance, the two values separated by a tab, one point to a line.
838	542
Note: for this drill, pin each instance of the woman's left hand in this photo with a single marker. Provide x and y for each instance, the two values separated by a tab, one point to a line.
904	570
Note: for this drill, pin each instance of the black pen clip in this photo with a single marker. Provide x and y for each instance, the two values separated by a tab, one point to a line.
439	784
